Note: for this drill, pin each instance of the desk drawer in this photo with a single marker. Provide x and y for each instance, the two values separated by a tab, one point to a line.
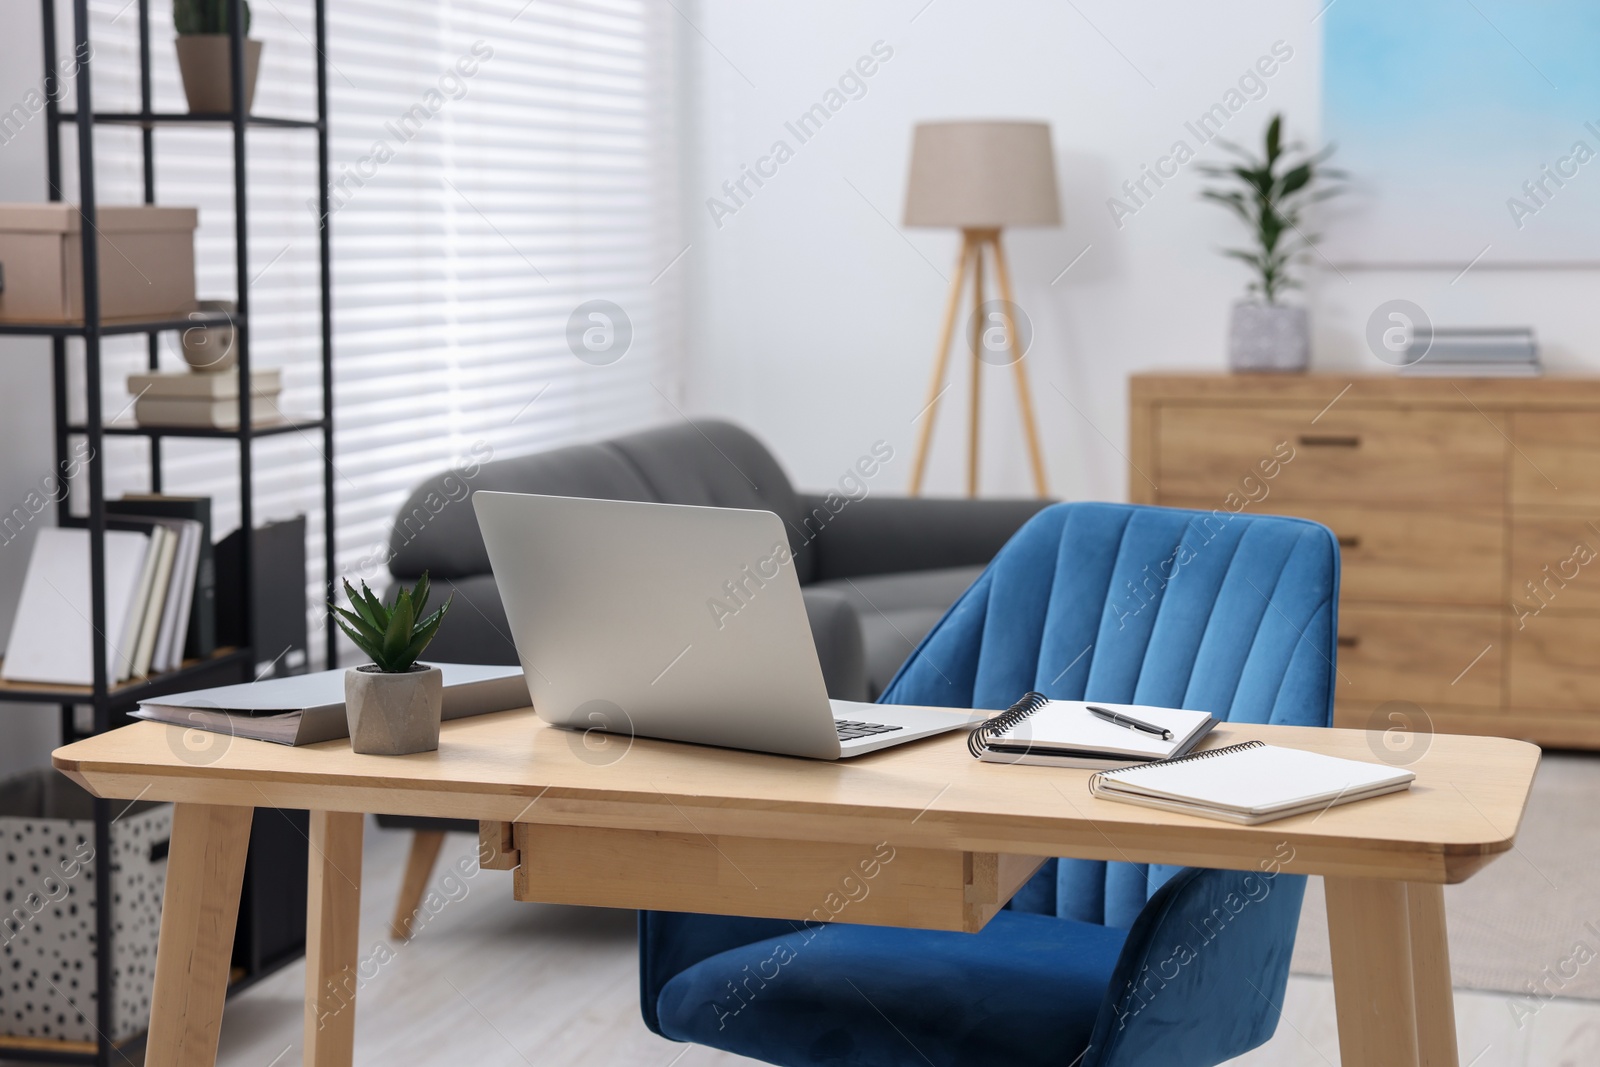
1357	455
1400	556
1419	655
1555	663
1557	459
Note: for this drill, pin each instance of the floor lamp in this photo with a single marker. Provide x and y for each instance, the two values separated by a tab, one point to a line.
980	177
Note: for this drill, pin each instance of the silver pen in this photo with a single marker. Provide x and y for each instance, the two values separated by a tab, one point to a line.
1129	722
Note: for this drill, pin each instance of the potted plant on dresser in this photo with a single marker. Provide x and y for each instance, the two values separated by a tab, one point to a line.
204	57
1270	194
393	704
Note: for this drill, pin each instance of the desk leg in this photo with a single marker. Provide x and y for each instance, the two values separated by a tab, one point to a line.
1391	973
199	911
333	921
1430	971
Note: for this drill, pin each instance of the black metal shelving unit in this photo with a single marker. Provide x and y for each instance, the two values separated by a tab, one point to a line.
109	701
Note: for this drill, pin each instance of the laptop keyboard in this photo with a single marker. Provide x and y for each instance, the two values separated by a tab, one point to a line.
851	731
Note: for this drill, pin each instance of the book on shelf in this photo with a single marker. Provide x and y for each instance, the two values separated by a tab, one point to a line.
52	640
196	635
207	414
307	708
202	385
164	593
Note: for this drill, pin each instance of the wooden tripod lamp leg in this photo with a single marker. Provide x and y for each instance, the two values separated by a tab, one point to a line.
1030	429
973	400
941	362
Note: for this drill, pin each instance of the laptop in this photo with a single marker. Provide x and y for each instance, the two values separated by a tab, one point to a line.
676	622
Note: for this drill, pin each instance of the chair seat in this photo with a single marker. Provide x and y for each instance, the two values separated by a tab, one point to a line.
1026	990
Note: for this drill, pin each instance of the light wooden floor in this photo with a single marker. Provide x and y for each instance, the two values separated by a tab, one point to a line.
492	982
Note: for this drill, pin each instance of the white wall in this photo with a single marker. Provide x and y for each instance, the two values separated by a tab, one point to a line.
814	318
26	733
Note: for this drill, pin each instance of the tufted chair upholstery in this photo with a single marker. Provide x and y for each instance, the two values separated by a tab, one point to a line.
1093	963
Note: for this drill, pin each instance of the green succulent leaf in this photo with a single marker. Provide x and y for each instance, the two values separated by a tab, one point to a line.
392	635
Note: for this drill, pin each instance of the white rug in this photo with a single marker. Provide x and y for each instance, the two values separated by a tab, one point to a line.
1532	917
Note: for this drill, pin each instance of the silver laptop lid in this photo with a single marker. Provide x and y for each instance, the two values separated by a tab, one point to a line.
659	620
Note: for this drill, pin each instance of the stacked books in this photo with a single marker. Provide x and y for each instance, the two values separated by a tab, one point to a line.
157	569
1492	352
208	400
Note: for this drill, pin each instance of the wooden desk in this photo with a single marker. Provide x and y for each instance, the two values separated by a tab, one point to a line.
655	824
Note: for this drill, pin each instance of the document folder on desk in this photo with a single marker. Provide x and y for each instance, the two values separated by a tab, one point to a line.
307	708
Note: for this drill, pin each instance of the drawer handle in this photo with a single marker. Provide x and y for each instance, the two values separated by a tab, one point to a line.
1349	640
1349	541
1330	440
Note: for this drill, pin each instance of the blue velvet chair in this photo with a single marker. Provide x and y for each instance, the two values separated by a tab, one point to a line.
1093	964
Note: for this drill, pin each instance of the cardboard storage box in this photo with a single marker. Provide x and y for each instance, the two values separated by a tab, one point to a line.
47	932
146	262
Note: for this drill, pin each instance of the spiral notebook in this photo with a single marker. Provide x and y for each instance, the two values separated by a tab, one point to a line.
1042	732
1250	783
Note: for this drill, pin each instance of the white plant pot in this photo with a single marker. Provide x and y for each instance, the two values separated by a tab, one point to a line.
1269	337
393	714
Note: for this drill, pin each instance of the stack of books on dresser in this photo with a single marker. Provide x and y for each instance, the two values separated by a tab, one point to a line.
204	400
1476	352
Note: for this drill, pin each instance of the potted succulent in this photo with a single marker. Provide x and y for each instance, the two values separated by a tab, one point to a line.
392	703
204	57
1270	194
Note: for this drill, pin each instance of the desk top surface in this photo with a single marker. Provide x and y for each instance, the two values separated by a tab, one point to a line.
1463	809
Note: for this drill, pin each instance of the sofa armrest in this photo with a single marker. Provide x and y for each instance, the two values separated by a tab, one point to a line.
884	535
841	649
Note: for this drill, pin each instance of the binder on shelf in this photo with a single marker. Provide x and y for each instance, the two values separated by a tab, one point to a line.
52	640
278	561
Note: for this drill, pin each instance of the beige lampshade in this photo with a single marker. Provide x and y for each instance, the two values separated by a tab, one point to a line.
981	175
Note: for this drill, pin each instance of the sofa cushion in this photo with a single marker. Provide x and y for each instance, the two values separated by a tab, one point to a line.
703	462
437	531
716	464
897	611
475	629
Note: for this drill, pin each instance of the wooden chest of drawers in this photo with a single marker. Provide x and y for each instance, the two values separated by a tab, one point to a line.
1468	515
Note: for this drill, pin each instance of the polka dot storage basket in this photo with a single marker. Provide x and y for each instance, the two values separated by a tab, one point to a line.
48	893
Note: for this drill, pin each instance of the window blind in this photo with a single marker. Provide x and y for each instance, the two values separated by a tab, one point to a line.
505	229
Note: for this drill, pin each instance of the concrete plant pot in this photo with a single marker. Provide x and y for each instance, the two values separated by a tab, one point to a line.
203	62
1269	337
393	714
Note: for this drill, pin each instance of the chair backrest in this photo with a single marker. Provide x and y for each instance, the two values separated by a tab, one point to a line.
1228	613
704	462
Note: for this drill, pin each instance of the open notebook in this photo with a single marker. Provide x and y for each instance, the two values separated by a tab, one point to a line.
1065	733
1252	782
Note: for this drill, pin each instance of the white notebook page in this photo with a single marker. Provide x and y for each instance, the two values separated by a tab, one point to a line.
1255	780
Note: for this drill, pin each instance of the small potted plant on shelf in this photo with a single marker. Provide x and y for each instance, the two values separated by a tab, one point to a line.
1270	194
204	57
392	703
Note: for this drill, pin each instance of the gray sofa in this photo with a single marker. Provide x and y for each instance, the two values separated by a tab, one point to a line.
876	571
